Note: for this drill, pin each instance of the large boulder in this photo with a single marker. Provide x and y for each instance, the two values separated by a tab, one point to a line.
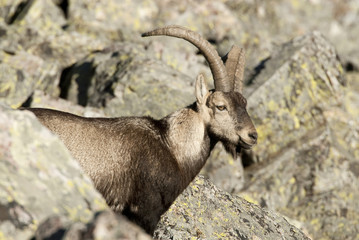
111	19
44	191
124	80
203	211
39	178
21	73
35	48
291	93
104	225
307	155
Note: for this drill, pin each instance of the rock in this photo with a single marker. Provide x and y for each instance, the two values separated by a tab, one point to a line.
21	73
307	150
31	22
112	19
39	178
40	100
268	24
310	79
125	81
9	9
104	225
260	26
45	194
203	211
224	171
351	95
34	50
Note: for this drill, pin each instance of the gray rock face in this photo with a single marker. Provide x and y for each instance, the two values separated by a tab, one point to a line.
43	190
301	81
39	178
124	80
204	212
104	225
308	139
22	73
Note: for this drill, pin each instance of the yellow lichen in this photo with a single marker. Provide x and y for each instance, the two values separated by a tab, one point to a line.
292	180
272	105
55	210
296	122
263	132
72	213
9	198
137	24
194	187
349	101
171	61
101	205
2	236
124	57
219	235
86	215
249	198
315	223
70	183
7	86
34	225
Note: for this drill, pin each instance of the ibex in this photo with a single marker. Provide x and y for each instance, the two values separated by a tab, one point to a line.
139	164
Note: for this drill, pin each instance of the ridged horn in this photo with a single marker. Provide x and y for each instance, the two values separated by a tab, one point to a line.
216	65
235	62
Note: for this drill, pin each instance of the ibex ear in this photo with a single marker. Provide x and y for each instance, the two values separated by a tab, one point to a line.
201	89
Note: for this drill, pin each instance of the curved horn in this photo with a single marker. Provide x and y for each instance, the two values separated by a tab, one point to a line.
234	62
216	65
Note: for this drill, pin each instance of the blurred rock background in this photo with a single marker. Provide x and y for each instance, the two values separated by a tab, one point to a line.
87	57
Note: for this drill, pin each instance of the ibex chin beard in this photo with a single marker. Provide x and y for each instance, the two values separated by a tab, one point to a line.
235	148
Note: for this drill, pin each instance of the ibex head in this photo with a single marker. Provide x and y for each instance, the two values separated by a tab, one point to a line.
224	108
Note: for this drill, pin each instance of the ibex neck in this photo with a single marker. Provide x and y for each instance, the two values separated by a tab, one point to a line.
189	141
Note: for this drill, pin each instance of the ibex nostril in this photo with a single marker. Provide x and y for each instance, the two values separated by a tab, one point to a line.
253	136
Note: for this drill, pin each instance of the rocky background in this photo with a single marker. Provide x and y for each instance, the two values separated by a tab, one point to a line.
87	57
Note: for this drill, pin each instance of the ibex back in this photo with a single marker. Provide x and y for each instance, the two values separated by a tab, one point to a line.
140	165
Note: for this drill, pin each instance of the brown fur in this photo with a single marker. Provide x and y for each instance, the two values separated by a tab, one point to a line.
140	165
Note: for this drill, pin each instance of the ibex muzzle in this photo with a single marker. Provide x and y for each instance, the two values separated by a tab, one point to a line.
140	164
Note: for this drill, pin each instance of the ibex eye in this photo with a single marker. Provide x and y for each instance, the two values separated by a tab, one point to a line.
221	108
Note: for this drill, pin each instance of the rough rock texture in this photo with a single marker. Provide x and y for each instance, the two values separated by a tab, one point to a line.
43	189
104	225
22	73
309	141
124	80
300	81
205	212
38	177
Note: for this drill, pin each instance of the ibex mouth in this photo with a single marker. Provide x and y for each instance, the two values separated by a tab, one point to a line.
244	145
